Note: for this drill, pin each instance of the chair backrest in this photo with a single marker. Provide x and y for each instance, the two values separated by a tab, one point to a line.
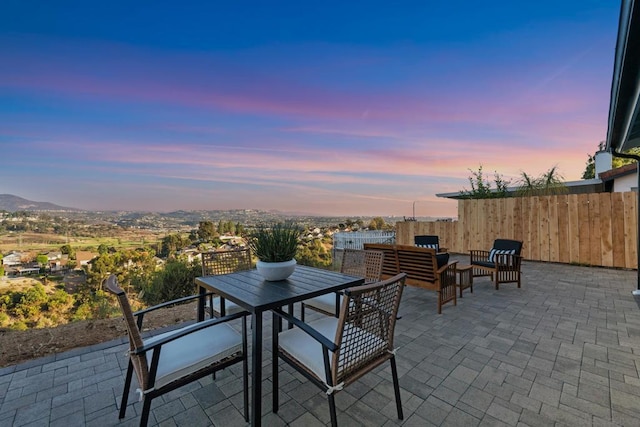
390	262
420	264
135	339
224	262
365	328
508	245
362	263
427	241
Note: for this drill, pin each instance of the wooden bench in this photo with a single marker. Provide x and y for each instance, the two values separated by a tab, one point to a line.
421	267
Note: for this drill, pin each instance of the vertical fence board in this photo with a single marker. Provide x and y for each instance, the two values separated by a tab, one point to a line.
617	231
554	234
564	243
606	227
534	217
583	229
484	223
630	216
512	210
574	228
543	228
524	226
595	254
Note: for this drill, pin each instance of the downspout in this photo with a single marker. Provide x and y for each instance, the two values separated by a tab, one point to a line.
637	159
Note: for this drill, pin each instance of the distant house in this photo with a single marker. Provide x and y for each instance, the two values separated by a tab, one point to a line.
12	259
54	255
58	264
83	258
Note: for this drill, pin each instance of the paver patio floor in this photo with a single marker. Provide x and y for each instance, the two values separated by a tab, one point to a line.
562	350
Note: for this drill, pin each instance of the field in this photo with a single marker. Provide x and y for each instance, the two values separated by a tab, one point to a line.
43	242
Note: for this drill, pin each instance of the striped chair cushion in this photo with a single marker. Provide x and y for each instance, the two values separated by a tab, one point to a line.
494	252
430	246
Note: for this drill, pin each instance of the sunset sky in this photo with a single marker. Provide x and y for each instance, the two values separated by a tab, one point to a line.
331	108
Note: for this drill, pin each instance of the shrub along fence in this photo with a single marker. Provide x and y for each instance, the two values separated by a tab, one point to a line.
592	229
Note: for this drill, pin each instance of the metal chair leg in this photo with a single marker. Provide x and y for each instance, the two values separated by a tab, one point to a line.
396	387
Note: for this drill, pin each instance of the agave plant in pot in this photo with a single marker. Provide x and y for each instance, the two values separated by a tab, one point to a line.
275	246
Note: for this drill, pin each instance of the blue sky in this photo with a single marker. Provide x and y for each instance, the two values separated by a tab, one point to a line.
330	108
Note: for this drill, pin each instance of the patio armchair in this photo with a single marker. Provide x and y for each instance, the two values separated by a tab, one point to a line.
167	361
355	262
334	352
224	262
501	263
429	241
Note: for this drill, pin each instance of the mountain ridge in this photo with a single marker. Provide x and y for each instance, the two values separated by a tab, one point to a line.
12	203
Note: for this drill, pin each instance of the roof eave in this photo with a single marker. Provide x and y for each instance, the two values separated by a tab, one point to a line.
624	121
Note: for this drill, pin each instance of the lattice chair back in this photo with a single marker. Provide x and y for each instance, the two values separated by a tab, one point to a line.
139	361
365	328
224	262
362	263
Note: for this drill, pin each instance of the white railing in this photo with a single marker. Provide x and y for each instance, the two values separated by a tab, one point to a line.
356	240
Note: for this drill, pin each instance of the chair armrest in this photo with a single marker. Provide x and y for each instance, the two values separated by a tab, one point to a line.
330	345
188	330
507	261
449	266
172	302
478	255
447	274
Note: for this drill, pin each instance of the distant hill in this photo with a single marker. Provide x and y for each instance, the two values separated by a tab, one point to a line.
11	203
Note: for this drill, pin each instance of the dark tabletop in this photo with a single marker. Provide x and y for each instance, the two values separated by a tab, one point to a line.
249	290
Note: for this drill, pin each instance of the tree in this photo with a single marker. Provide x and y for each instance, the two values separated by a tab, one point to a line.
68	250
481	187
42	260
206	231
616	162
172	243
174	281
377	223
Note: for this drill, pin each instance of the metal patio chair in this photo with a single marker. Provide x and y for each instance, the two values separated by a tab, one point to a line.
224	262
356	262
334	352
167	361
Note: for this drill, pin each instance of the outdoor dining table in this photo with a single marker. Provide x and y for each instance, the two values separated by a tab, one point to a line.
250	291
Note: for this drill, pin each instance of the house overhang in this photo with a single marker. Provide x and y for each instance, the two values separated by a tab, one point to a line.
624	119
594	185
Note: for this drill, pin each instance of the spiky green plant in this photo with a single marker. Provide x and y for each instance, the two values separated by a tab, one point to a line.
275	243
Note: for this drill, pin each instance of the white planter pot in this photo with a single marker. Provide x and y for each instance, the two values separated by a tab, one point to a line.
274	271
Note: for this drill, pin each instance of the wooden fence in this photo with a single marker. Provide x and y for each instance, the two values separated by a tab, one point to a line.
591	229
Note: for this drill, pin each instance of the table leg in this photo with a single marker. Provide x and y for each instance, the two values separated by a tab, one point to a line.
256	370
275	330
201	291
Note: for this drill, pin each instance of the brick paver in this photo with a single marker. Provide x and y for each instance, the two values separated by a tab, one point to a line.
564	349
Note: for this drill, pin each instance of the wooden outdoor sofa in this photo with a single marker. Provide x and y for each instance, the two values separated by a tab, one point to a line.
421	267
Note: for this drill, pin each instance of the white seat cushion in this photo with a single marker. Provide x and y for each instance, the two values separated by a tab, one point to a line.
230	307
308	351
326	302
192	352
